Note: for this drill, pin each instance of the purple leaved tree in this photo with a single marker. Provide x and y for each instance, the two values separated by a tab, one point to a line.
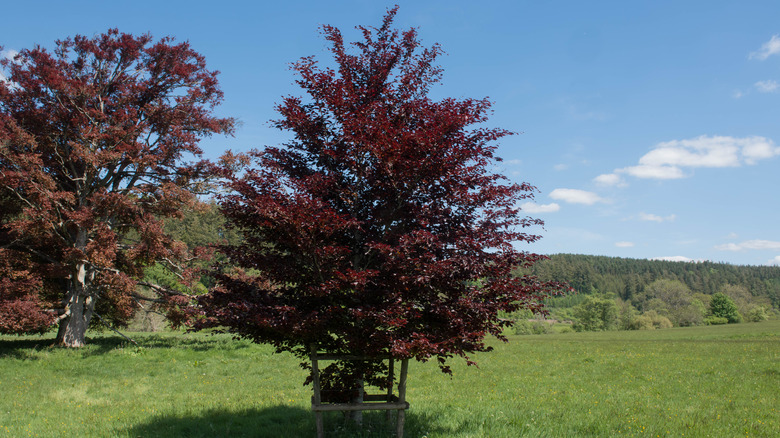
379	229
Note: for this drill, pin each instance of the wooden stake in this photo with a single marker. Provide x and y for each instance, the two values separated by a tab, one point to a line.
402	398
317	399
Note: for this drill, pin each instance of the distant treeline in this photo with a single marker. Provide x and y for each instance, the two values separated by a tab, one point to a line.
628	278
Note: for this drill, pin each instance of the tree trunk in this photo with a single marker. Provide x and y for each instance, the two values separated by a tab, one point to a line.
357	416
79	308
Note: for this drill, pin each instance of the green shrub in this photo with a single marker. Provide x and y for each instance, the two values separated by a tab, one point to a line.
757	314
532	327
650	320
715	320
641	322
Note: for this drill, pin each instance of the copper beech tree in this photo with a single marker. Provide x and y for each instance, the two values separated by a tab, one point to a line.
93	139
379	229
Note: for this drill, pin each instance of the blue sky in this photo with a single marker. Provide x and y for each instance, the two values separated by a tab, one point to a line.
651	128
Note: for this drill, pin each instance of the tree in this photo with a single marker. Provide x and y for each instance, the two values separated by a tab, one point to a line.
201	227
674	299
596	313
745	300
626	314
722	306
379	229
92	143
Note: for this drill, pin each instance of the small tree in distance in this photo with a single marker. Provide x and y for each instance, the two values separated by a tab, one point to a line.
92	143
596	313
722	306
379	229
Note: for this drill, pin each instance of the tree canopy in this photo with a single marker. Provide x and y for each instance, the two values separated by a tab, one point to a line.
722	306
379	229
93	138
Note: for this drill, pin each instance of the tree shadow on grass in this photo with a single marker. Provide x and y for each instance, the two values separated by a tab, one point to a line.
29	347
204	342
282	421
12	346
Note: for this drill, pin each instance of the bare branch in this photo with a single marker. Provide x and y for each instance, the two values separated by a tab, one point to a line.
113	329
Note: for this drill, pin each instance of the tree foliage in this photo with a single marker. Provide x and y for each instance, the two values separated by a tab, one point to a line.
745	301
650	320
596	313
202	226
722	306
92	142
379	229
676	302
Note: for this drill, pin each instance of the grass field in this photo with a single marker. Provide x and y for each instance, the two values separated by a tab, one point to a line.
721	381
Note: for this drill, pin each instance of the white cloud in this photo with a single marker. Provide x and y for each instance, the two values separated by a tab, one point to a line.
759	150
532	207
696	152
769	48
668	159
610	179
653	172
655	218
768	86
737	94
774	262
675	259
750	245
624	244
575	196
560	167
514	162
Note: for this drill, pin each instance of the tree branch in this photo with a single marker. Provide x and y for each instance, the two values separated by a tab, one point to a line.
113	329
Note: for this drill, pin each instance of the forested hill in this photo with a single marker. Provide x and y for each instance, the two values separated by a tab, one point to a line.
628	277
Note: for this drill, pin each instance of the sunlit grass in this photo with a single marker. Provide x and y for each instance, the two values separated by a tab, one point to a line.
710	381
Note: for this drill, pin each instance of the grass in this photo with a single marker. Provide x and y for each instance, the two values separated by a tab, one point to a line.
720	381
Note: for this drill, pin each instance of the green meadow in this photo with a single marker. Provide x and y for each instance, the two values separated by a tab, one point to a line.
717	381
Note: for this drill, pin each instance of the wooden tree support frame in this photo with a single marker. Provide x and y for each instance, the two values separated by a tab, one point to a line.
371	402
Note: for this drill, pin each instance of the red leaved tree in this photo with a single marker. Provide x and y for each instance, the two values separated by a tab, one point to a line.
380	229
93	139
